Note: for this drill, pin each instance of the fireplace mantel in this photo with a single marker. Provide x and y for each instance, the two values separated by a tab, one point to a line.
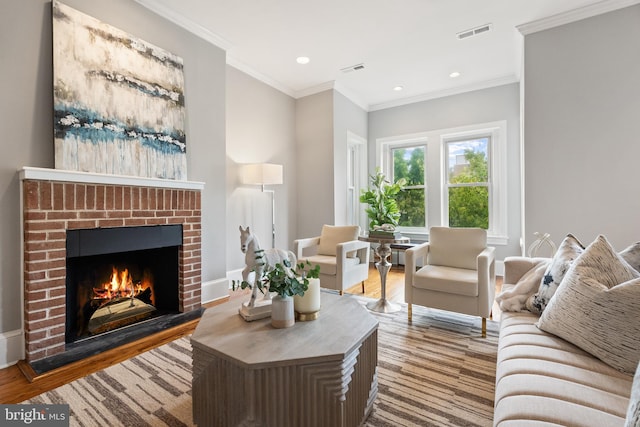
44	174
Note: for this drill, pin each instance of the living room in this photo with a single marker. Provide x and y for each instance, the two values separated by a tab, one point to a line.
571	120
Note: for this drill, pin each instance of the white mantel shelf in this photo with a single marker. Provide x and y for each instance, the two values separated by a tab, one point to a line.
44	174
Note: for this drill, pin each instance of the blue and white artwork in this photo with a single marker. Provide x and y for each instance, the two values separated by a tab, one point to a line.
118	101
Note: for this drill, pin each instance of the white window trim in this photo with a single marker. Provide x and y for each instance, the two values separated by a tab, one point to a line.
358	146
498	227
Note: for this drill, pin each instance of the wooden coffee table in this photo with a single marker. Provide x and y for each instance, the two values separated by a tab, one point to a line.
316	373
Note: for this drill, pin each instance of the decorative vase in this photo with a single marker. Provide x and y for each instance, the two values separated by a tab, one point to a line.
282	314
307	306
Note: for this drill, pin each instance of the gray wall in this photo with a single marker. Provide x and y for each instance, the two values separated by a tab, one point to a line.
26	119
260	129
582	129
347	117
315	169
481	106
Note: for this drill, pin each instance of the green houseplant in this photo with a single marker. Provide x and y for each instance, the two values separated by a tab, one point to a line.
383	210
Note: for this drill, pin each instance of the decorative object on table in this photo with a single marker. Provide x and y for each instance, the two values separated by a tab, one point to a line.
258	261
541	240
286	282
264	174
307	305
383	210
119	105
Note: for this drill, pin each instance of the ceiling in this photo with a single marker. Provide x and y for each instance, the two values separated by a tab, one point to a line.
408	43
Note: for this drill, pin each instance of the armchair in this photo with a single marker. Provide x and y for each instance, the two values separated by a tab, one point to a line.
458	273
343	259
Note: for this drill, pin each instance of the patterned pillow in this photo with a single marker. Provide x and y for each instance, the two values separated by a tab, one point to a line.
633	413
567	252
632	255
597	309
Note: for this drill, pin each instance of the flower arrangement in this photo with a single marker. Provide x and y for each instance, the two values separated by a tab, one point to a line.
283	279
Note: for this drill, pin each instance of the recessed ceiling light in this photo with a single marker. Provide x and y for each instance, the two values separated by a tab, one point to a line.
454	74
398	88
302	60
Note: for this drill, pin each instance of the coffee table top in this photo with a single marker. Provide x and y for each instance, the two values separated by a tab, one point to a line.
343	325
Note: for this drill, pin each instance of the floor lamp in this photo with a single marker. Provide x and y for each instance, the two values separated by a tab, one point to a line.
265	174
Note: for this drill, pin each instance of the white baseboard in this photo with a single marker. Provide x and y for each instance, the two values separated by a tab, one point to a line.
11	348
214	289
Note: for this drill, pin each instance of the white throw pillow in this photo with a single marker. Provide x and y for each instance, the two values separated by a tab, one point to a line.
596	307
633	413
567	252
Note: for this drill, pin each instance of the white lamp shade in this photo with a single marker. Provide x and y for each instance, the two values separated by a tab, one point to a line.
262	174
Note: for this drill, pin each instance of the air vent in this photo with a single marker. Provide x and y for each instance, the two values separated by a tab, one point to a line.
473	32
356	67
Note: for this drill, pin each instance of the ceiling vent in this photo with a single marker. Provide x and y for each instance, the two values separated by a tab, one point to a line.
473	31
356	67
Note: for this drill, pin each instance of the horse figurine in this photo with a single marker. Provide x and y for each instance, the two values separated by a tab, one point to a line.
259	260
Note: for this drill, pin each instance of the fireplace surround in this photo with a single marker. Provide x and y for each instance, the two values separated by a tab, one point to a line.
55	202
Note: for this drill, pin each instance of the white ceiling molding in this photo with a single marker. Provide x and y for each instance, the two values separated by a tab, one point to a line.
575	15
187	24
315	89
351	96
446	92
259	76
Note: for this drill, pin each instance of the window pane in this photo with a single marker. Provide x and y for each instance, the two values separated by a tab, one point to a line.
408	163
469	207
468	161
412	207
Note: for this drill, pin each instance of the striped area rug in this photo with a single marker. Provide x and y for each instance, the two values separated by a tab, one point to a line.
437	371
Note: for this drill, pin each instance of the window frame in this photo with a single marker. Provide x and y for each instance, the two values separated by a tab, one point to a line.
436	194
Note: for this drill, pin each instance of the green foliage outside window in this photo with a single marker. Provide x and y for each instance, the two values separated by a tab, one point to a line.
408	163
469	205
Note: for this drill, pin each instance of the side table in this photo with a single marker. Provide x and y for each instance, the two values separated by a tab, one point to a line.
383	266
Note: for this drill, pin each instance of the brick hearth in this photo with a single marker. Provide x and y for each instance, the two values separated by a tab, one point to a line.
51	206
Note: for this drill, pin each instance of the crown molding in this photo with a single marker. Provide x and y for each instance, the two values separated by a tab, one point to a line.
500	81
315	89
235	63
186	23
574	15
351	96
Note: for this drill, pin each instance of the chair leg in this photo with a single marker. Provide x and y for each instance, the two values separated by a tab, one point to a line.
484	327
409	313
363	286
341	292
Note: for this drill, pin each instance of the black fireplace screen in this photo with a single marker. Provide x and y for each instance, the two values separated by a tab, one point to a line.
120	276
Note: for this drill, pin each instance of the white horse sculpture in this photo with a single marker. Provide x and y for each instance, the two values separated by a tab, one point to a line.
259	261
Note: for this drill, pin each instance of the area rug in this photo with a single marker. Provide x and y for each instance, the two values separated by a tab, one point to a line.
436	371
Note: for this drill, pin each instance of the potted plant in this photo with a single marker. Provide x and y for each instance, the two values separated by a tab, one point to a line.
383	209
286	282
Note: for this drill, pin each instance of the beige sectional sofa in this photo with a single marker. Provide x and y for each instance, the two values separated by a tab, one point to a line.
544	380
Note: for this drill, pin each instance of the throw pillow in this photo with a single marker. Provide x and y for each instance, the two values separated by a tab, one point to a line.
567	252
633	413
597	309
632	255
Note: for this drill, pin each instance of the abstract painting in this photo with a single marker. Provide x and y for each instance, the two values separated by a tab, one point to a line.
118	101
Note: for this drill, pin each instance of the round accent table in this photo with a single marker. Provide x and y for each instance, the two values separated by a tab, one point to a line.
383	266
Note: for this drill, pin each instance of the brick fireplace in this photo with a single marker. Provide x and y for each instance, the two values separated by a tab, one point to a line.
57	201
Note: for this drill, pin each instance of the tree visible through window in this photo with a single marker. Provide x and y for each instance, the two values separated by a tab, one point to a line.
468	183
408	163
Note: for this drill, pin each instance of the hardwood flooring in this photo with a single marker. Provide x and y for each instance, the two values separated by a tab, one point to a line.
15	387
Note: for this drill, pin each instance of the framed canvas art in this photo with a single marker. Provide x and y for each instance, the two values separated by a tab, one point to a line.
118	101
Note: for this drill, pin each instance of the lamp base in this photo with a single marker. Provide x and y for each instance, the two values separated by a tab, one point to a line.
260	310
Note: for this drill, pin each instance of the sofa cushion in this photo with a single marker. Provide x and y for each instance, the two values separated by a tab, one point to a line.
596	307
633	413
331	235
567	252
328	264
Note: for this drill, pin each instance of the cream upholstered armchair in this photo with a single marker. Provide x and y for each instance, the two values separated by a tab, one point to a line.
457	273
343	259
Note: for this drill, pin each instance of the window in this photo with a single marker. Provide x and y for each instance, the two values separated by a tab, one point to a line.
467	181
456	177
409	163
356	179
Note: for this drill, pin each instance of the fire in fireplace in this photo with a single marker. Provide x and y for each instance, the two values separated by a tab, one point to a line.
120	276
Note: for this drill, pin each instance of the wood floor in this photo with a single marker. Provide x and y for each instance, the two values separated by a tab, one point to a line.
15	388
